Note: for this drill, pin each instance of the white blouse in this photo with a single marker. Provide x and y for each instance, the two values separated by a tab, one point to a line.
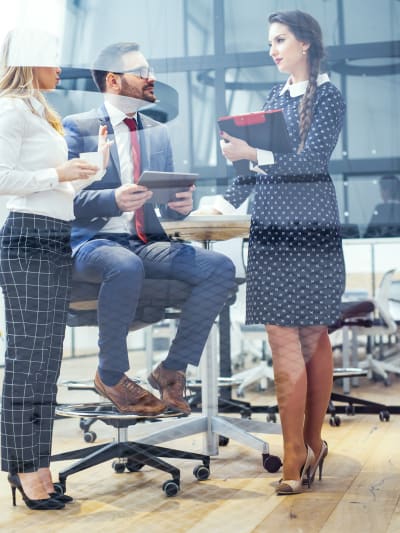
30	151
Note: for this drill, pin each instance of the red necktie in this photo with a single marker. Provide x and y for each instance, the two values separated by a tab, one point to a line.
139	213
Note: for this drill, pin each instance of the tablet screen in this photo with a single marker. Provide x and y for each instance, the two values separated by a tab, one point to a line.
165	185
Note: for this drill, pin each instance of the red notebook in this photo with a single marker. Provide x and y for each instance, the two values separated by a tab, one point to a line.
265	130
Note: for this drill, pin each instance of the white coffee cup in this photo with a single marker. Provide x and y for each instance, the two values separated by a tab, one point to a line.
94	158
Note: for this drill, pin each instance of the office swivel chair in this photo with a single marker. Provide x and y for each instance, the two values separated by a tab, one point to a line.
383	324
370	318
159	299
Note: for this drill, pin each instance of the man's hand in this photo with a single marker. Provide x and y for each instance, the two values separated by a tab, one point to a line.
236	149
185	201
131	196
104	145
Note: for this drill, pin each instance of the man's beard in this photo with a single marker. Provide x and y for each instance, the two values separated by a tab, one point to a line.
127	104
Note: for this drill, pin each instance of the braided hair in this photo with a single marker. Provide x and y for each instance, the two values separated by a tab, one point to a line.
305	28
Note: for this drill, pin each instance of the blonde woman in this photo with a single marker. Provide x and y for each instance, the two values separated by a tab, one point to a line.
35	262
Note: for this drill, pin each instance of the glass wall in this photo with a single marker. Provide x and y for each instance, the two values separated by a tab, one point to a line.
211	60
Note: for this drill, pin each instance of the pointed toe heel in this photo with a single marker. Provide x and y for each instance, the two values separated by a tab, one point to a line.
295	486
47	504
319	462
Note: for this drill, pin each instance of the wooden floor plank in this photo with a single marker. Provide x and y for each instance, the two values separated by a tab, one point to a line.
359	492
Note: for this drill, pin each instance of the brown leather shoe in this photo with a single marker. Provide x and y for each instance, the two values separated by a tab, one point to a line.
129	397
171	384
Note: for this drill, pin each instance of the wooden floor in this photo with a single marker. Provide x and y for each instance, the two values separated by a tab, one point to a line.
360	491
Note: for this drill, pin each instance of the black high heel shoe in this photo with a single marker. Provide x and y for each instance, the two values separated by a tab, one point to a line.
46	504
64	498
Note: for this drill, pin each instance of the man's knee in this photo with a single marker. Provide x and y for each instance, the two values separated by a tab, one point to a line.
224	268
127	271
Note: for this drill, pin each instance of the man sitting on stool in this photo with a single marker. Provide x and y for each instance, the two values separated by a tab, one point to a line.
116	252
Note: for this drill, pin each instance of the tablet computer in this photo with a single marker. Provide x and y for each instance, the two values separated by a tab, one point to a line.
165	185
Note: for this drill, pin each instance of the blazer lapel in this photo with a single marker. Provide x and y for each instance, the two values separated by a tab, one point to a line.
144	143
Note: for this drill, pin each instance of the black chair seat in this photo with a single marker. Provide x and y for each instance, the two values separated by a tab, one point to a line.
355	313
157	297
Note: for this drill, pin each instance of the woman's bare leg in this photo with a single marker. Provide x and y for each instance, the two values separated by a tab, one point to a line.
45	476
318	356
291	390
33	486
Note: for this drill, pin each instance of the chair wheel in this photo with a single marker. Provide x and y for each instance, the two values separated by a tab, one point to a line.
271	463
223	441
89	436
271	417
350	410
245	413
118	467
201	472
384	416
335	421
170	487
133	466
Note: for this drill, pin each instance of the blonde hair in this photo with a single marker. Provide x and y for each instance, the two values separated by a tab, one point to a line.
17	82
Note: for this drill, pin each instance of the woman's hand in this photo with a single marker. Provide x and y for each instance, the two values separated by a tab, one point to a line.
104	145
76	169
235	149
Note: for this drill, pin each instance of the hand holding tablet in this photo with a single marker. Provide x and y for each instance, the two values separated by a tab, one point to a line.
165	185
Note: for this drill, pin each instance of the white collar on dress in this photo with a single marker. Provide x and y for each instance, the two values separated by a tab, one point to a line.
299	88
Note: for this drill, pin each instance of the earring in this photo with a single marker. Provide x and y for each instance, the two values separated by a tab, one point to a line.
304	52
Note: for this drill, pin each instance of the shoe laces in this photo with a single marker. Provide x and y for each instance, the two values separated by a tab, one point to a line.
133	387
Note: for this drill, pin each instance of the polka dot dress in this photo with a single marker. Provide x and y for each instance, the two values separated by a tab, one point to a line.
295	270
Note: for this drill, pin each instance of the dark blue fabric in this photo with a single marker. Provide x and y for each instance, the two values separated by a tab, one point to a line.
120	264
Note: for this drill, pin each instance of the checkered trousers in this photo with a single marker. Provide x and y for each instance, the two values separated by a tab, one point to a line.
35	275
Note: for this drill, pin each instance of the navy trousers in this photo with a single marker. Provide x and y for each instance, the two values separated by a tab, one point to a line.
120	264
35	275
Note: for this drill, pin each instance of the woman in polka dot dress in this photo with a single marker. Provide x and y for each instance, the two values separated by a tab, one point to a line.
295	275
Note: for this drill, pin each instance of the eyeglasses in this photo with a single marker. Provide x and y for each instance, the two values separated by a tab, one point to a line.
145	73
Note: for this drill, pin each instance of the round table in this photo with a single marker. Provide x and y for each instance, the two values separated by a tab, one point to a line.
208	228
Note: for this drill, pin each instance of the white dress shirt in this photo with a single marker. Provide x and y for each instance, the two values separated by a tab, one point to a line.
122	140
30	151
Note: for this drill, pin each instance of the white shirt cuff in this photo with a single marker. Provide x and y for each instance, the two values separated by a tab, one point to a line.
223	206
265	157
48	177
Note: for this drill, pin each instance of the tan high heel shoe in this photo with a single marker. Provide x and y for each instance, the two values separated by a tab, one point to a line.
319	463
294	486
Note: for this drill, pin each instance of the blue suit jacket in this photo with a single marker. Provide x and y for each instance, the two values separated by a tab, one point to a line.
96	204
